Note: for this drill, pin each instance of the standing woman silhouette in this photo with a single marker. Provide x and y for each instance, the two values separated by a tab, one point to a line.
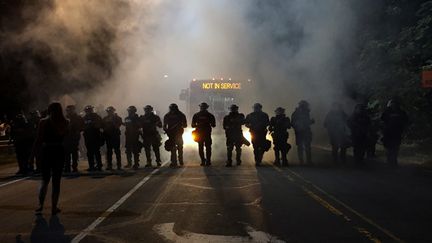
51	133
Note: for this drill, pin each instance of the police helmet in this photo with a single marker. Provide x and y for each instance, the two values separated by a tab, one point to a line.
280	110
148	108
132	109
173	106
204	105
89	108
110	109
20	116
257	106
35	113
234	107
304	103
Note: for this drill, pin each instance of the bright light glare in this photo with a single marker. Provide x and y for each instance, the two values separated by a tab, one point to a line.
188	138
247	135
165	76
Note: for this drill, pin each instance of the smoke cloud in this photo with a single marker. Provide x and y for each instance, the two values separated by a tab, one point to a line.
130	52
291	50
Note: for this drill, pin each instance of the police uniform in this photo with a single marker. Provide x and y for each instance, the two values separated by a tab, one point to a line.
257	123
395	122
174	123
111	132
151	137
93	139
279	125
359	123
336	124
21	136
34	120
132	143
203	121
71	141
301	122
374	130
232	123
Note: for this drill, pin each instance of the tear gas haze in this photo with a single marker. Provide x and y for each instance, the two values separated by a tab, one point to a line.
121	52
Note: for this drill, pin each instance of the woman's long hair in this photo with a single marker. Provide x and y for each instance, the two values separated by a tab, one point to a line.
56	116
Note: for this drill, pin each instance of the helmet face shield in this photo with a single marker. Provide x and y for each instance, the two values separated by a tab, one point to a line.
203	106
89	109
173	107
148	109
234	108
132	109
280	111
110	109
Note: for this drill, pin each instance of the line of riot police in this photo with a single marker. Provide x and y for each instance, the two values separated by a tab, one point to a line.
357	130
259	125
23	134
362	129
98	131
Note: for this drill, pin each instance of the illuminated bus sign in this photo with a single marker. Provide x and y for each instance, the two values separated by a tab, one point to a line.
220	85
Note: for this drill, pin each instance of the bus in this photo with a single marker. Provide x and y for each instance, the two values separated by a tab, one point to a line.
219	93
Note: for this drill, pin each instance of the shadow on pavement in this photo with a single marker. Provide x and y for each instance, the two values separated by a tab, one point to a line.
238	199
43	231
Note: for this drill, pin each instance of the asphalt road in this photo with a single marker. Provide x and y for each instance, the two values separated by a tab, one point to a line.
320	203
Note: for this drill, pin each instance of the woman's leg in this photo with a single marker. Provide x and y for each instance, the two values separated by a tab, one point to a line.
56	179
46	176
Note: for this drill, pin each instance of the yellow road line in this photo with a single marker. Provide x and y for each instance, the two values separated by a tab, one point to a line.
366	219
336	211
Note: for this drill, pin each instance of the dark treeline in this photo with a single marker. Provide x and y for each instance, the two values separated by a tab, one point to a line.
395	42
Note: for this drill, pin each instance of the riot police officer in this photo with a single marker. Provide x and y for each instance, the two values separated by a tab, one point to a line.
336	124
395	123
232	123
33	121
174	123
279	124
301	122
203	121
375	116
93	138
132	143
23	142
257	122
150	134
72	138
111	132
359	123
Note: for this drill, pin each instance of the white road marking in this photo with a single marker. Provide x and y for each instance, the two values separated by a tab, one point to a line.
14	181
116	205
167	231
